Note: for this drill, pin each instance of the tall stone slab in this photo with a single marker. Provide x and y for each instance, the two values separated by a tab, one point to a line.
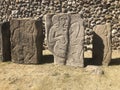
5	51
65	37
102	44
0	41
26	41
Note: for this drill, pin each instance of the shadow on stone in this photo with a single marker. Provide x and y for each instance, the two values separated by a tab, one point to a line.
47	59
98	50
115	61
6	50
87	61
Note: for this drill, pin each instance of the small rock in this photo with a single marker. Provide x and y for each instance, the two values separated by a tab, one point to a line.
94	70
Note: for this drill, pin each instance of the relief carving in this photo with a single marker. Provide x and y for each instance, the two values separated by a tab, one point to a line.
26	41
65	36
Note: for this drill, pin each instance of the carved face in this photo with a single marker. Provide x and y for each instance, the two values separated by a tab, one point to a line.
63	21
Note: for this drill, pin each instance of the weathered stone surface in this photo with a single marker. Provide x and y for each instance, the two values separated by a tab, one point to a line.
102	44
65	35
94	12
95	70
26	41
0	42
76	40
5	51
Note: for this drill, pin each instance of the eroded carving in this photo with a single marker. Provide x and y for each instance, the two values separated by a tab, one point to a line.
26	41
76	39
65	34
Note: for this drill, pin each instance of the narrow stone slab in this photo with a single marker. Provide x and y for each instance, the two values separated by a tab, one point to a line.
0	41
102	44
26	41
5	51
65	37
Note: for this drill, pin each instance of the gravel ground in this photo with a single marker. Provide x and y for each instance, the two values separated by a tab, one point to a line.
54	77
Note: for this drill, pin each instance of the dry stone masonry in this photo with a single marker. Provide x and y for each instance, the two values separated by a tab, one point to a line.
65	35
93	12
26	41
64	30
5	52
102	51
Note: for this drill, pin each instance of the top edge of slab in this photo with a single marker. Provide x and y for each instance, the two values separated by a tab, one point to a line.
62	13
25	19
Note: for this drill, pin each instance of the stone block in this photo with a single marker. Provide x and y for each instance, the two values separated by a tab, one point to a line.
26	41
5	51
65	38
102	44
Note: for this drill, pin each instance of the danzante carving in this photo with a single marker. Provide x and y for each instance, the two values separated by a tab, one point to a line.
65	36
26	41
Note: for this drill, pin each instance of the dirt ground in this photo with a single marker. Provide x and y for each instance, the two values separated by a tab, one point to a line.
54	77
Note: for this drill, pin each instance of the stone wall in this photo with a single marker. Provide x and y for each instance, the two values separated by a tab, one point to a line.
94	12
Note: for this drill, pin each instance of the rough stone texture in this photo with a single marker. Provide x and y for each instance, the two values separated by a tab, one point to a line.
95	70
0	42
5	51
26	41
93	12
65	36
102	44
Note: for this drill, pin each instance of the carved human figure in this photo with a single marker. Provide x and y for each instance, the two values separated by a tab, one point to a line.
58	38
65	35
76	37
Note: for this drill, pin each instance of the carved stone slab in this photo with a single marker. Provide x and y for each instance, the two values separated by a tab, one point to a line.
26	41
102	44
5	51
65	36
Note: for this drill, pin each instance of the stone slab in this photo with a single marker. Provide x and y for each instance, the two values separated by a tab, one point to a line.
5	51
65	37
102	51
0	41
26	41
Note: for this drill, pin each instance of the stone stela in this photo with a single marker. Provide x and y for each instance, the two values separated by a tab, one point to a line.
21	40
102	50
65	38
26	41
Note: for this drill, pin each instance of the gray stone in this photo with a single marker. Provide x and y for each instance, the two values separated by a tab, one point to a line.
0	42
96	70
65	37
26	41
99	11
5	51
102	44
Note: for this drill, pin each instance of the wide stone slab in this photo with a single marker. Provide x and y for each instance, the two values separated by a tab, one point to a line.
26	41
65	37
5	51
102	44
